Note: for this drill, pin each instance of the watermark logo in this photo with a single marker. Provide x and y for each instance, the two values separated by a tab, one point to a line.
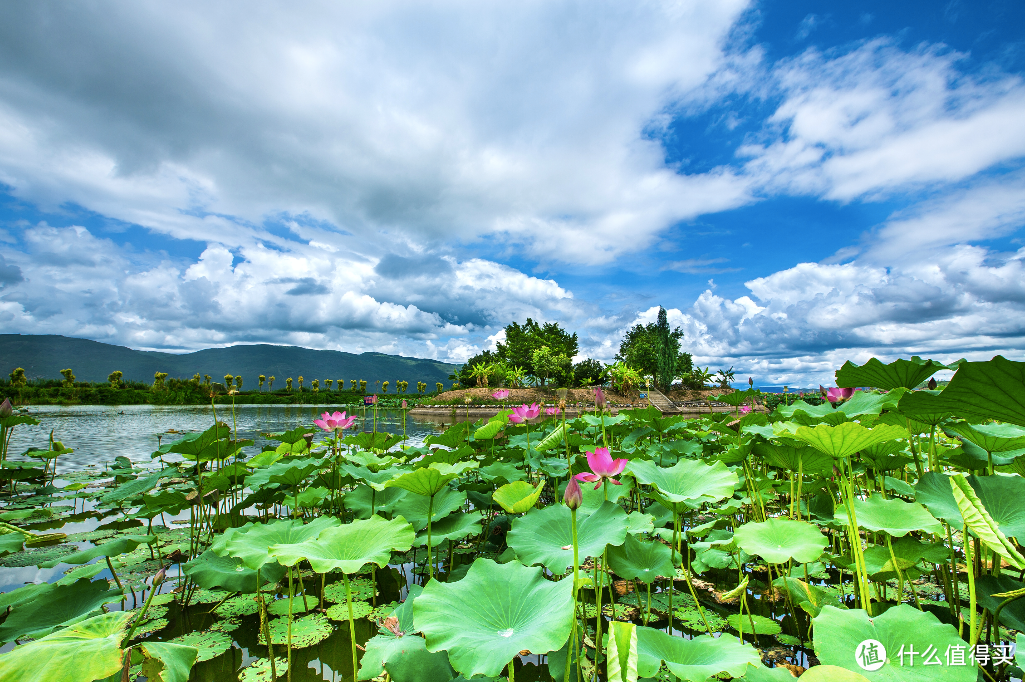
870	655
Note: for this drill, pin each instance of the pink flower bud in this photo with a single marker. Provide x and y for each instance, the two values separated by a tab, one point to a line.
573	496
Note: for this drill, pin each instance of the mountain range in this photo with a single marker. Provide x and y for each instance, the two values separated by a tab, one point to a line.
44	356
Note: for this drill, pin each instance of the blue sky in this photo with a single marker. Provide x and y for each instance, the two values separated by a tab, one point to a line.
799	184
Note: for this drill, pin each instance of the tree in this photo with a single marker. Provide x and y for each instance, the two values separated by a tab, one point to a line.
645	344
227	381
315	384
238	382
476	370
522	341
69	378
115	378
328	382
362	385
261	379
300	383
288	384
384	387
158	380
440	386
548	363
270	383
590	372
18	378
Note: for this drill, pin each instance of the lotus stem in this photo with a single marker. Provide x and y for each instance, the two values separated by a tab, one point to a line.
290	593
264	626
430	557
352	626
970	567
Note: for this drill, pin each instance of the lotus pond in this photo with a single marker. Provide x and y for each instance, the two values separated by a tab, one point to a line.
871	537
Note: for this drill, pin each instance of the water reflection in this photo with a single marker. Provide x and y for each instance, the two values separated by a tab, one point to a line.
99	433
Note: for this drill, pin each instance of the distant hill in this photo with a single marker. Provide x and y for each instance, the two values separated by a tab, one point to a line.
43	356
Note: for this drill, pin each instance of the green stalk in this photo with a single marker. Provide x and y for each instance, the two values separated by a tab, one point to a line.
264	626
430	557
970	566
290	591
352	627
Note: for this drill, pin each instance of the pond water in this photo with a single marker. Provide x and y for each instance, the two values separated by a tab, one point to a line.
99	433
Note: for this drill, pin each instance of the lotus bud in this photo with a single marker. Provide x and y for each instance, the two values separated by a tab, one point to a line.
751	382
599	398
5	408
159	577
468	400
573	496
822	390
932	384
404	404
308	437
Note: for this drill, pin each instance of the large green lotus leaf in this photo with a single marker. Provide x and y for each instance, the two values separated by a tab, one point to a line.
778	540
86	651
694	659
427	481
518	497
253	545
688	480
502	470
847	438
831	673
923	408
122	545
405	659
414	507
365	501
453	527
643	560
894	517
594	498
801	412
621	661
839	633
350	547
288	472
496	611
908	553
990	437
980	523
375	479
794	457
1012	615
60	605
166	662
899	373
11	543
1000	495
545	536
994	389
212	571
136	487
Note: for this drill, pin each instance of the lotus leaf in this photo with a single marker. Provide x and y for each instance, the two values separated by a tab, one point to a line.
794	457
545	536
288	472
496	611
374	479
846	439
925	409
414	508
340	612
236	607
207	643
113	548
694	660
838	635
1013	614
908	553
979	522
89	650
430	480
365	501
639	522
811	598
502	470
260	670
991	437
350	547
62	604
405	659
891	516
452	527
643	560
832	673
762	625
518	497
362	589
779	540
212	571
300	604
688	480
622	653
308	630
1000	495
252	542
167	662
898	374
994	389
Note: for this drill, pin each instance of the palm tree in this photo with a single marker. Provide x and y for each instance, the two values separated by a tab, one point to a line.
270	385
238	382
288	384
262	379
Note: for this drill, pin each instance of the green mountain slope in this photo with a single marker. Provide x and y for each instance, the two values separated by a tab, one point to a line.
43	357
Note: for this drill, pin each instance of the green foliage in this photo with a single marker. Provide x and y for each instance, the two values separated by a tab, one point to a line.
522	341
654	350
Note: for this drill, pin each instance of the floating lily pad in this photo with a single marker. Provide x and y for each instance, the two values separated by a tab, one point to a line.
691	618
260	670
204	596
306	631
341	611
149	626
37	556
209	644
382	611
299	605
228	625
362	589
236	607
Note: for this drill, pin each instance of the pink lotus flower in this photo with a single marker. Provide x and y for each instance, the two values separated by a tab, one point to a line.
500	394
573	496
745	409
551	411
335	422
404	404
599	398
524	413
836	394
603	468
